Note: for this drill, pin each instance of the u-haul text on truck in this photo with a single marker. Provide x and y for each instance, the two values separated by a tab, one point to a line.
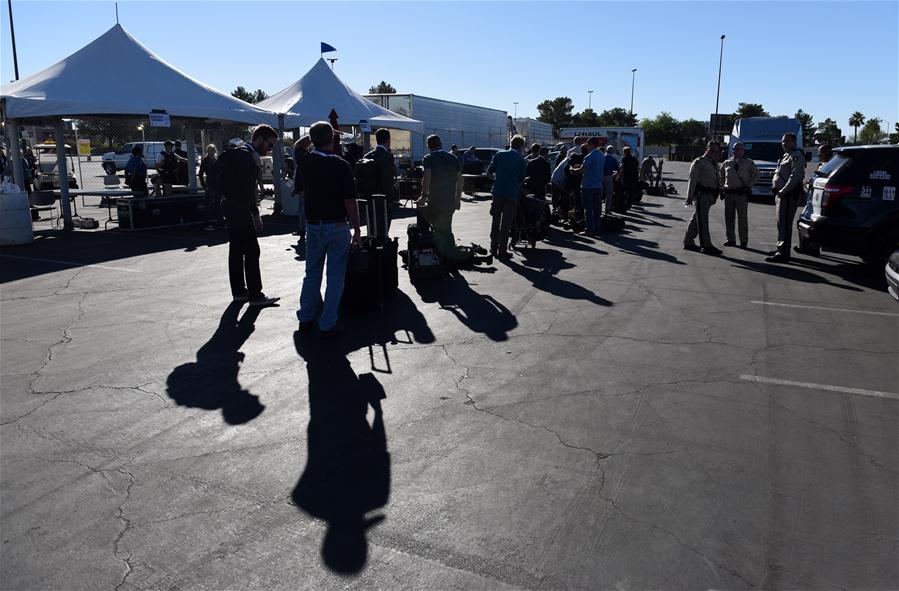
616	136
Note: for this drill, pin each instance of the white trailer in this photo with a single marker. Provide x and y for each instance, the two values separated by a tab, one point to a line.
455	123
619	137
535	132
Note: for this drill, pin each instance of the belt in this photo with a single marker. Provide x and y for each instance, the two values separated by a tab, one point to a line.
325	222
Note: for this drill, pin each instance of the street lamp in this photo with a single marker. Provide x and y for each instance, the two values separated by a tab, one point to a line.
720	59
142	137
516	109
590	99
633	79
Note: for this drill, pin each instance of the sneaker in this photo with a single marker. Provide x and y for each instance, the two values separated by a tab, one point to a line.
691	246
730	243
306	326
241	298
263	301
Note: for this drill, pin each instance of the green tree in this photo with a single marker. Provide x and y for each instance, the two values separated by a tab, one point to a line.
872	132
693	131
617	117
807	121
382	88
249	96
556	112
661	130
828	133
856	120
894	137
750	110
586	118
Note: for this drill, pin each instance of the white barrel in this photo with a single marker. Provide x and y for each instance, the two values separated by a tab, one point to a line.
15	219
290	203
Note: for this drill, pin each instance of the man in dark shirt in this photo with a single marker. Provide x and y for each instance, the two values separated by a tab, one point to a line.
181	171
385	164
538	172
630	173
330	200
441	187
238	173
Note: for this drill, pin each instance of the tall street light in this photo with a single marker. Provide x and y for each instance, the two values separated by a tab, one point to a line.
12	35
590	99
516	109
633	78
720	60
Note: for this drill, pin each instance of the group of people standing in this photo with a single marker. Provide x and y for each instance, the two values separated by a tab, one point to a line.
733	180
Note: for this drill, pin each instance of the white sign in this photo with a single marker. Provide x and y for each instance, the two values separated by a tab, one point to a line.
889	193
160	120
571	132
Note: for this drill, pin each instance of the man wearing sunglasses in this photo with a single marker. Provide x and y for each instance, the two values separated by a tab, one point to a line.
238	175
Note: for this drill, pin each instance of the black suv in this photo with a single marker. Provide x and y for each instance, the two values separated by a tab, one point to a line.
852	206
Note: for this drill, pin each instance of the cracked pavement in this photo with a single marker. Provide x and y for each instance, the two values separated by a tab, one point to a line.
575	419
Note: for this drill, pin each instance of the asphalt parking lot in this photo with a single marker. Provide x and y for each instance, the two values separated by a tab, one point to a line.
612	413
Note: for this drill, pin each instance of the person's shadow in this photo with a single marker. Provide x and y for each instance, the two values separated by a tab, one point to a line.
347	470
541	267
211	382
479	312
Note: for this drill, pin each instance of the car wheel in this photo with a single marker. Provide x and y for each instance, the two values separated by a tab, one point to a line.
109	168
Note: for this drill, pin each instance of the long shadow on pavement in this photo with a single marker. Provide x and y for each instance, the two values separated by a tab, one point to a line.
479	312
211	382
643	248
347	471
541	267
789	271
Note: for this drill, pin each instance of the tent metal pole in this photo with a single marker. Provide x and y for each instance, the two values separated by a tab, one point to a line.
62	167
278	161
15	153
191	157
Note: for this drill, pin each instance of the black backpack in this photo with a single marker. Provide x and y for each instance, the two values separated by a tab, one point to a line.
366	173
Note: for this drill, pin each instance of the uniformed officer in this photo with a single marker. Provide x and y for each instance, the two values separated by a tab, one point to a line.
787	187
702	190
738	174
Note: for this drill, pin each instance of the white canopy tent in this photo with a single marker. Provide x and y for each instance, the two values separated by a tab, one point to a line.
116	75
320	90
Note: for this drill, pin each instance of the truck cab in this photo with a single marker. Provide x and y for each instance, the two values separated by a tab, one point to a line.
761	137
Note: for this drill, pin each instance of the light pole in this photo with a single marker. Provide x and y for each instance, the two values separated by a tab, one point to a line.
720	60
590	99
516	109
633	79
142	137
12	35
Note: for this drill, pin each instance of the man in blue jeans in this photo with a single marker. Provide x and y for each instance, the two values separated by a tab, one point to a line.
592	184
330	207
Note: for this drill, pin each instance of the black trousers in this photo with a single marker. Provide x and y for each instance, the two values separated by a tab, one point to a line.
243	254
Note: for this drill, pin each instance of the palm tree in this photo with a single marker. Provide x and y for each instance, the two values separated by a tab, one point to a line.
856	120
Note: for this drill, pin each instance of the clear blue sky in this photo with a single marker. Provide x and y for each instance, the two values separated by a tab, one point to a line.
828	58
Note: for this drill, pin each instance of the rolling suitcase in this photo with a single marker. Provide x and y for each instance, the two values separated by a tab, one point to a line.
374	215
372	271
422	259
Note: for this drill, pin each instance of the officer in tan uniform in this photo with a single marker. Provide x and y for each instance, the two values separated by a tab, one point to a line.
702	190
738	174
787	186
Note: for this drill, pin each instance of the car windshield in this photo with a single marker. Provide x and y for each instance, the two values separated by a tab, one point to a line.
764	151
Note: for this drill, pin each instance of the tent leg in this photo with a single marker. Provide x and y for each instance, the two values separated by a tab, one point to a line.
191	157
15	153
63	168
278	161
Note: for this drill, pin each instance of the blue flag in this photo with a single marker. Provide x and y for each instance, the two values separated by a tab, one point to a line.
327	48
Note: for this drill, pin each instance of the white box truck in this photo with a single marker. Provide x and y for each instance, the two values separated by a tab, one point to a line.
761	137
455	123
619	137
535	132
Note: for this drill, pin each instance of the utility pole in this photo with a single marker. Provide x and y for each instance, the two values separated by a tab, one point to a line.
633	79
720	60
12	35
516	109
590	99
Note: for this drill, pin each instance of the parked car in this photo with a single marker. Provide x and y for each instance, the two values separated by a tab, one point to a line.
115	161
892	275
852	207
